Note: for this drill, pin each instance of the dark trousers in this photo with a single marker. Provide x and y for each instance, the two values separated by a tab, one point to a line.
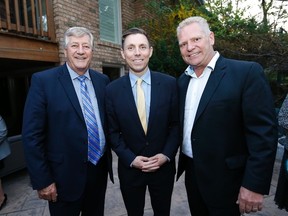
92	201
197	205
160	186
281	195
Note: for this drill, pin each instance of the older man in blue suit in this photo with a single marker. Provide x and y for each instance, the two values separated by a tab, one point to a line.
68	158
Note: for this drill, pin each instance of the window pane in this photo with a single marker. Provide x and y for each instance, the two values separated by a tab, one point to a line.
109	11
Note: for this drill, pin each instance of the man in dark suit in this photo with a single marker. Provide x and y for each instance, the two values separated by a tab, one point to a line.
57	133
228	126
145	142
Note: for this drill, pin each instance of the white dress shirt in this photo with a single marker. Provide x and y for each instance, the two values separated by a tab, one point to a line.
193	95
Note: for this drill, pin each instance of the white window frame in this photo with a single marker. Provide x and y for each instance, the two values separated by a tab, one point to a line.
110	23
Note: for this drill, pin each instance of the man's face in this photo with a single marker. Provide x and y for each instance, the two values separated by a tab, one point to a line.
137	52
196	47
79	53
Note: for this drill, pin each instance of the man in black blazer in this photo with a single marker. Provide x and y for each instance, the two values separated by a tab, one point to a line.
146	153
228	126
55	135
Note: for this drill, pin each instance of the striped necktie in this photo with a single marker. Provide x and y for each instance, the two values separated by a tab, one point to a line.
94	151
141	105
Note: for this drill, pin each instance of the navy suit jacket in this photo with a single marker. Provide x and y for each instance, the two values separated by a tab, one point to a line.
54	132
126	134
234	137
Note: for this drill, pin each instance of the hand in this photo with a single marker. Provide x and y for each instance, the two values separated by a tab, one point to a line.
249	201
139	162
154	163
49	193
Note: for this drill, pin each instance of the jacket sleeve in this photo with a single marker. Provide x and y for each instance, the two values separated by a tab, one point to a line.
34	136
261	136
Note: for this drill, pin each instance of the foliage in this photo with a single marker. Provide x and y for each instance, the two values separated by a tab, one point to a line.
237	36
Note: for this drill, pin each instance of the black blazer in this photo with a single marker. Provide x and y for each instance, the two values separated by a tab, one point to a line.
54	132
125	131
234	134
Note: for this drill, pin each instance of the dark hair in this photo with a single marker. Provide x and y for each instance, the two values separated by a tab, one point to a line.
134	30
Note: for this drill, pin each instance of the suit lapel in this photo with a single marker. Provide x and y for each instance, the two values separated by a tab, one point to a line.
211	86
99	90
155	95
129	101
67	84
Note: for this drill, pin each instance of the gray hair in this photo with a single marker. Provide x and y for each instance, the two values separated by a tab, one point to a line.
194	19
78	32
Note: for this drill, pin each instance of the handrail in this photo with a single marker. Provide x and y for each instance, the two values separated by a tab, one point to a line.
31	18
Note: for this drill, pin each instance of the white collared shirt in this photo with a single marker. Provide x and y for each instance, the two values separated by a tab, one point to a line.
193	95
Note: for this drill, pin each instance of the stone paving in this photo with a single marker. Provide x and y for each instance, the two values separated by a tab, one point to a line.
23	201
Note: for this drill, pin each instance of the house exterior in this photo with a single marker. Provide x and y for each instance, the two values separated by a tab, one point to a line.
31	40
31	36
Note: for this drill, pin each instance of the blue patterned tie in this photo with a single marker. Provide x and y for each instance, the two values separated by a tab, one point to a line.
94	151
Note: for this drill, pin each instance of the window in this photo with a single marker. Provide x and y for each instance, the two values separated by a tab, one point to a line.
110	20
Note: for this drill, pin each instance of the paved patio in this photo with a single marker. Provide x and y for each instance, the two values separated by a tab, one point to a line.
23	201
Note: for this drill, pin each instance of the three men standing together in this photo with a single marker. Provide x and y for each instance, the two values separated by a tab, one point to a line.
221	114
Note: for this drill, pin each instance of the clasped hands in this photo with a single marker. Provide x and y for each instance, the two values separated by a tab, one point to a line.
149	164
49	193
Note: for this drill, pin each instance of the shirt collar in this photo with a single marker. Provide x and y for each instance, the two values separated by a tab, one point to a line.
74	75
145	77
211	65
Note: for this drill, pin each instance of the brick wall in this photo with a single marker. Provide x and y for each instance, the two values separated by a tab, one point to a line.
68	13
